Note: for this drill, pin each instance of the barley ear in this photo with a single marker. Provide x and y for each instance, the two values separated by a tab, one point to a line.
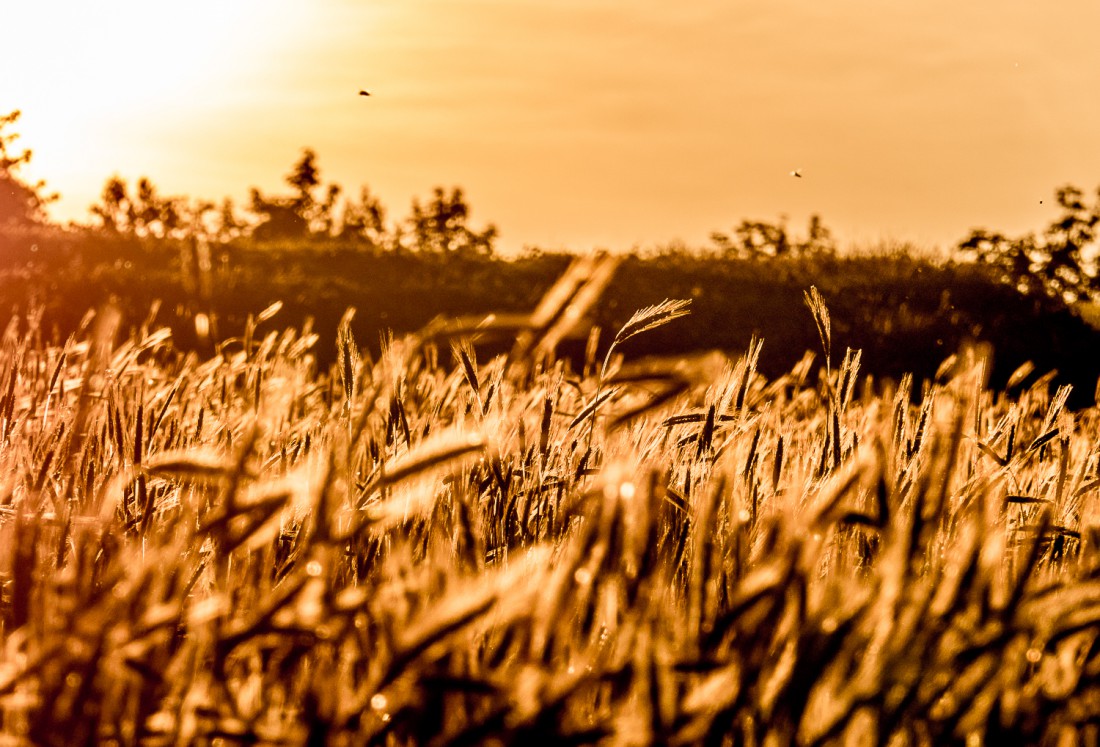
821	317
348	357
652	317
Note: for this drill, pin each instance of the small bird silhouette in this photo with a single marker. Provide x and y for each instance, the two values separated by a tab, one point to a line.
797	173
364	93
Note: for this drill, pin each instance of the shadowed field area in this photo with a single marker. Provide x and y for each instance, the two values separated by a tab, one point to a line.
906	314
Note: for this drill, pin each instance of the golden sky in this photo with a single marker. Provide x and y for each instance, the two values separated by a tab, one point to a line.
577	123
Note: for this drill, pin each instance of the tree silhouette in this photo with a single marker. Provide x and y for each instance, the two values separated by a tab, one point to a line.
229	225
1061	264
21	204
757	239
299	215
279	219
145	213
310	211
441	227
113	208
365	221
153	215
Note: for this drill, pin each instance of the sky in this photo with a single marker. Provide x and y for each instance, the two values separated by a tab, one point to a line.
577	123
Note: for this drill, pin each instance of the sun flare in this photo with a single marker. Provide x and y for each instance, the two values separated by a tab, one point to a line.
85	73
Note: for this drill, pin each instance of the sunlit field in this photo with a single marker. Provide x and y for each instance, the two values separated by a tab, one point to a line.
425	373
429	546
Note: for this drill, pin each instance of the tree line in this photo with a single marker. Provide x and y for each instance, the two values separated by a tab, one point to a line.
1062	262
311	210
314	210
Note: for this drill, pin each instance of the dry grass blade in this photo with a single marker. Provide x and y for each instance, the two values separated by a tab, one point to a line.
665	394
1018	376
62	359
988	451
476	326
589	410
578	305
562	307
1042	440
431	454
579	272
168	399
469	601
715	693
652	317
464	352
349	357
193	464
269	312
107	322
820	314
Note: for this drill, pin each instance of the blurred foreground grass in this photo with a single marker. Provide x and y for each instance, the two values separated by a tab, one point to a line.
421	546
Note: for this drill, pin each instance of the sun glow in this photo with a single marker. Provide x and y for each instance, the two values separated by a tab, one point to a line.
123	55
83	73
573	124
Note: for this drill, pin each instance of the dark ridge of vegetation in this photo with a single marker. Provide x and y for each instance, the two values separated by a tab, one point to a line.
907	314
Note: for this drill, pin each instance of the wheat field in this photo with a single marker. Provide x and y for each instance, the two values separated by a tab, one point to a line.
425	548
